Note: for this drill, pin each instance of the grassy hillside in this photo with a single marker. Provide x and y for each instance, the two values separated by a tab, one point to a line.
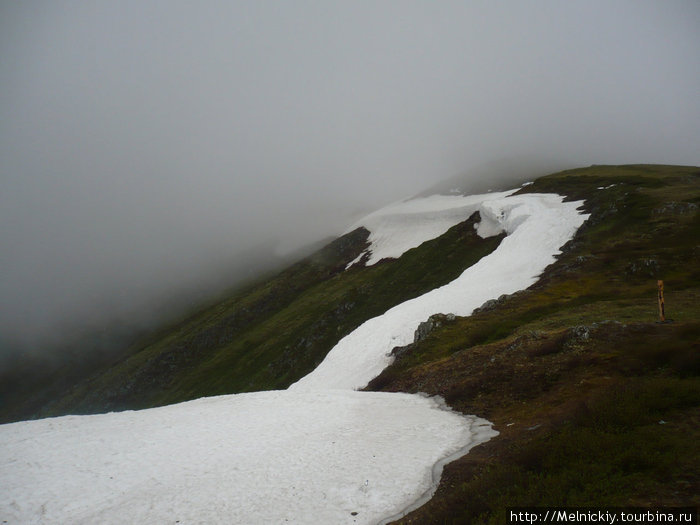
275	332
596	402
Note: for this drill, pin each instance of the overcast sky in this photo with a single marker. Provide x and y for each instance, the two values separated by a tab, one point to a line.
144	142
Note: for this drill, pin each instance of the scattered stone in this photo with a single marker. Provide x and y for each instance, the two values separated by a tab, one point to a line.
643	267
676	208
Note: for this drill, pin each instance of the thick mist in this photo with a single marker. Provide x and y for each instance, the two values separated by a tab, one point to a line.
153	152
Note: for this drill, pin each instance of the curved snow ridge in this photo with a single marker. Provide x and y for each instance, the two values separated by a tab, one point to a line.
397	228
256	458
537	226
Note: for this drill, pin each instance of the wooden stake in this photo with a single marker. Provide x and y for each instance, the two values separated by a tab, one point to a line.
662	314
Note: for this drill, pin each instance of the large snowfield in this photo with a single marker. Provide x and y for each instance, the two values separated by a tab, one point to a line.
319	452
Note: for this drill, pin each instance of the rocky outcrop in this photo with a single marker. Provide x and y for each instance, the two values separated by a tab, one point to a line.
493	303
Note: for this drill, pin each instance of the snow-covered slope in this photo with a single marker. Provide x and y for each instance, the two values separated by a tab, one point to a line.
537	226
310	454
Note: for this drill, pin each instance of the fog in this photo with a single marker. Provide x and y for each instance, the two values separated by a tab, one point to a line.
152	151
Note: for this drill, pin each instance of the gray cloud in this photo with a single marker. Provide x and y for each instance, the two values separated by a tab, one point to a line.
145	146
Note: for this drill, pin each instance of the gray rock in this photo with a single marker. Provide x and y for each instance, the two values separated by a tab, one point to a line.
488	305
423	330
493	303
581	333
433	322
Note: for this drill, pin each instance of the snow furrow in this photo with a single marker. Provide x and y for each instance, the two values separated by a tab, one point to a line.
537	226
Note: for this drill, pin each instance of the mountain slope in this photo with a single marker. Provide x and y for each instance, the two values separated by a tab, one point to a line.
596	403
272	334
537	225
333	435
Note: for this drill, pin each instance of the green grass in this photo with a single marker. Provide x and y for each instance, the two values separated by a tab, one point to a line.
625	445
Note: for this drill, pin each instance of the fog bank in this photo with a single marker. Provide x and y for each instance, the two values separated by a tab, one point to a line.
151	149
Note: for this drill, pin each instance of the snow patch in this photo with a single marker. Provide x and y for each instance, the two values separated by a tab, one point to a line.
401	226
258	458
